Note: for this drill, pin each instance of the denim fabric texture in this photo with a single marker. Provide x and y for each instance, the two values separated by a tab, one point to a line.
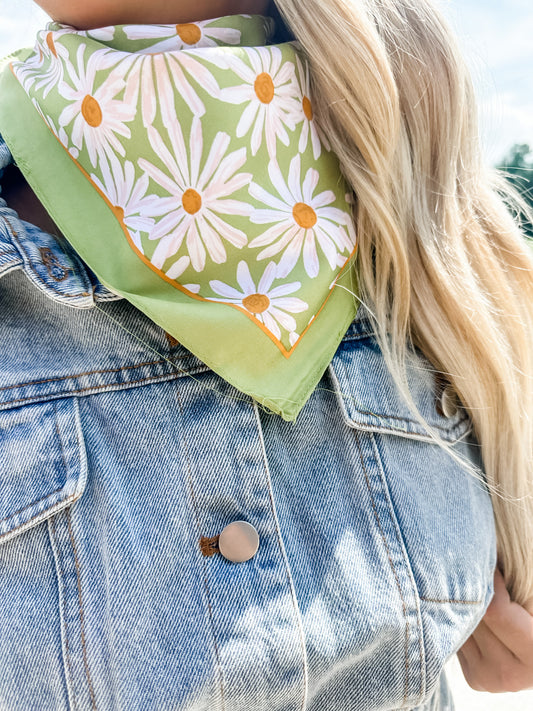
120	451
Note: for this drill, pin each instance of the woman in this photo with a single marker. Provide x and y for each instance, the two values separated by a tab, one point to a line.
375	551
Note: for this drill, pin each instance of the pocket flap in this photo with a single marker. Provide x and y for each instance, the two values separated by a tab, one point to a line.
43	467
371	401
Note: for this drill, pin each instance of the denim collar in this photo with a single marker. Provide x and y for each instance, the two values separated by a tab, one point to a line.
47	260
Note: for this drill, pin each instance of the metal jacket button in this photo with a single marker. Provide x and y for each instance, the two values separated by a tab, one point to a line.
239	542
448	402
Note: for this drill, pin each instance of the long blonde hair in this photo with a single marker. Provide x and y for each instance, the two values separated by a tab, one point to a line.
442	263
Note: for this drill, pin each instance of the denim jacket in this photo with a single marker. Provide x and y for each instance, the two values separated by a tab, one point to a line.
122	460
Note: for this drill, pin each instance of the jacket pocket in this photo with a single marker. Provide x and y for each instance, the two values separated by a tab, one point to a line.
371	402
43	466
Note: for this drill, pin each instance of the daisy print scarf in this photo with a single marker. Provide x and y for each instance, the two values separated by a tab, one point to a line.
184	165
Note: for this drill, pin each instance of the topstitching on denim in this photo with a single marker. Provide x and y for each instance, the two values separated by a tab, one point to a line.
305	674
203	562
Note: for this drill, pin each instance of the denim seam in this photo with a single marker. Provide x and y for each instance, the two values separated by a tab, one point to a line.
82	375
358	336
203	560
10	267
398	585
81	613
72	498
62	597
403	547
167	376
454	602
405	434
37	275
411	421
284	555
28	506
60	440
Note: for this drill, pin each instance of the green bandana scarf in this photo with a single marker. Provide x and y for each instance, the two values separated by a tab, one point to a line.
184	165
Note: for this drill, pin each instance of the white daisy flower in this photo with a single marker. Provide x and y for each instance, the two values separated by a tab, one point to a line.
271	306
197	195
100	34
269	92
98	117
158	78
177	269
294	338
302	219
127	195
33	75
195	288
58	131
310	129
191	35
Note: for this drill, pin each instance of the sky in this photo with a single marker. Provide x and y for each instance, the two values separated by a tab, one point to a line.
495	36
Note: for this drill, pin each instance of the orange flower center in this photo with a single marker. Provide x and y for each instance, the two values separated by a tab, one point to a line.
256	303
189	33
308	108
51	45
191	201
304	215
91	111
264	88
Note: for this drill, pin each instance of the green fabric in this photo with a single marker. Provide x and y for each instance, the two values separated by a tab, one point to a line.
184	165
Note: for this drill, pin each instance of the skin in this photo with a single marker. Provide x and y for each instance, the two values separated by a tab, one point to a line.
21	198
97	13
498	657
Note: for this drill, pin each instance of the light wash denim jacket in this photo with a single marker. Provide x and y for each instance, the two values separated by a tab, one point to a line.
120	453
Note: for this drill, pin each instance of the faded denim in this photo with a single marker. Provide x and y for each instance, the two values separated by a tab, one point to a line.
119	450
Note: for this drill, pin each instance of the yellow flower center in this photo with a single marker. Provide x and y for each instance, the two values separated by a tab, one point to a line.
304	215
256	303
189	33
264	88
51	45
308	108
91	111
191	201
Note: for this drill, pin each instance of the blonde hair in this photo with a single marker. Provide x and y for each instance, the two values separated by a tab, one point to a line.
442	263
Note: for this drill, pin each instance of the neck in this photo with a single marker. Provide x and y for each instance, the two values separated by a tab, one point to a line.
100	13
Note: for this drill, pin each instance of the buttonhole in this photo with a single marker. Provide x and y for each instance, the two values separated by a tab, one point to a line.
53	266
172	342
209	546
